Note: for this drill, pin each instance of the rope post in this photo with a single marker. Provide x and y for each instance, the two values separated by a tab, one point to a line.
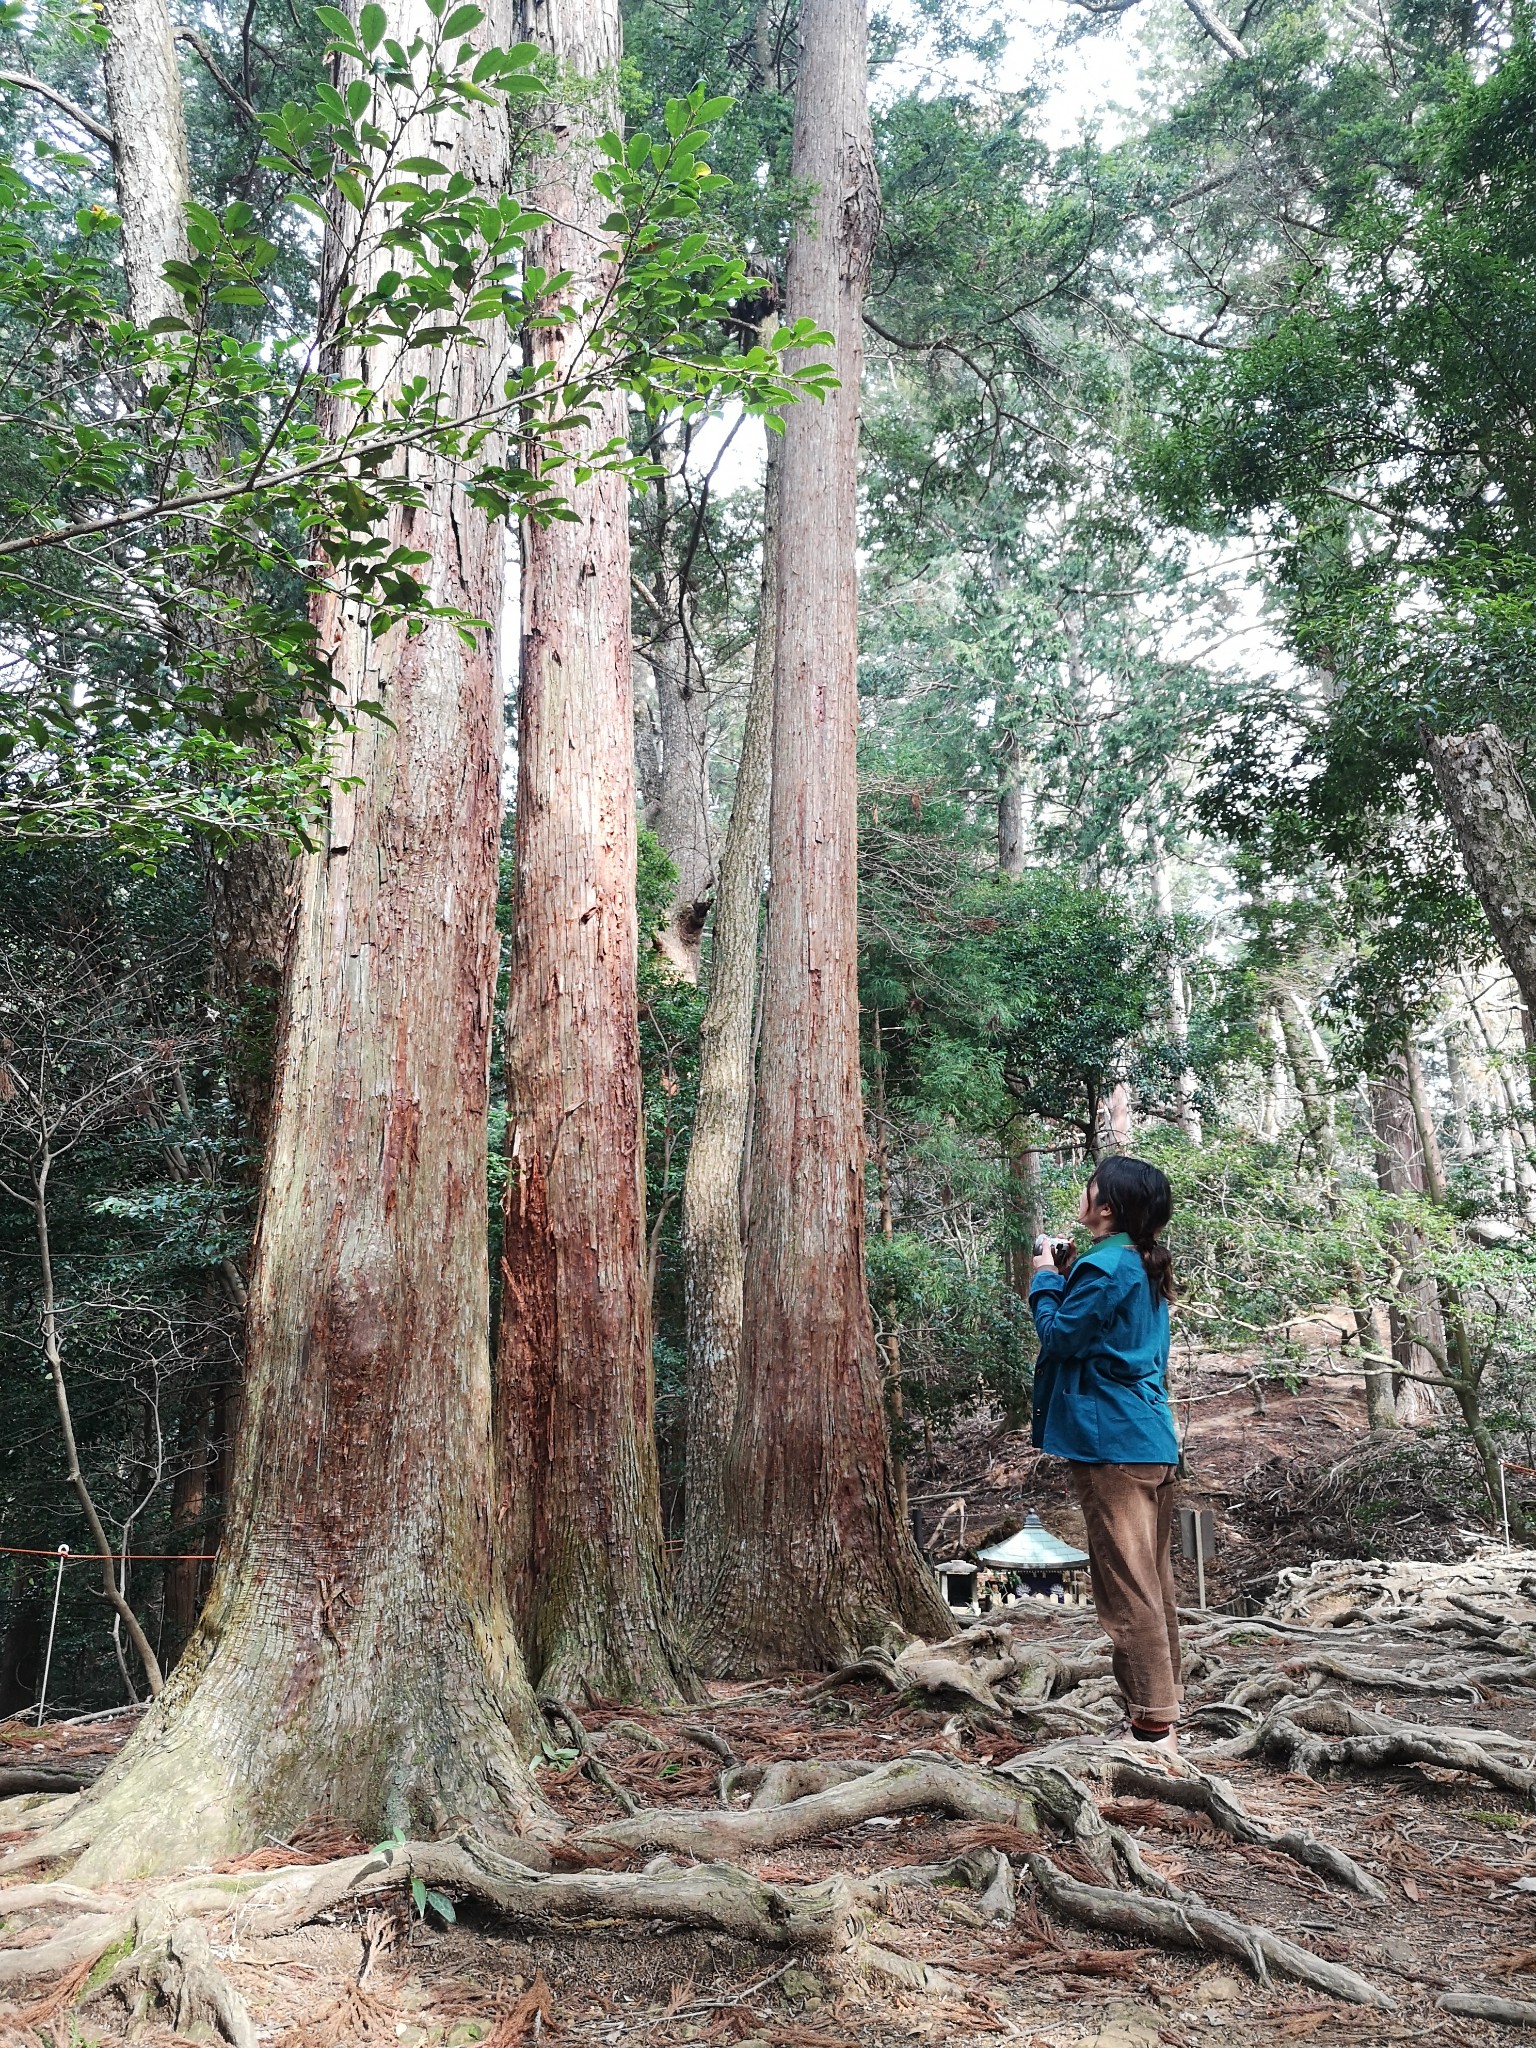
1504	1501
58	1587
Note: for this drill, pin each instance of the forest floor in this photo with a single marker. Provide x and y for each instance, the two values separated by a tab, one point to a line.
1455	1854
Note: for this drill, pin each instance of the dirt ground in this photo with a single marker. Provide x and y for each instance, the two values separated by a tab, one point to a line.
1458	1858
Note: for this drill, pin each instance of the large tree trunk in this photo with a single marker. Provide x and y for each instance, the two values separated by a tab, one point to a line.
580	1493
817	1561
1490	812
713	1260
355	1656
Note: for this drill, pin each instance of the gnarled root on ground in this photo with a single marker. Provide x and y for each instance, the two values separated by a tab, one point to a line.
1184	1784
171	1968
905	1786
1182	1921
1472	2005
1293	1737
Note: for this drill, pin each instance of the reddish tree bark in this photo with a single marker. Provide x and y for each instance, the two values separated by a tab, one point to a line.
816	1560
356	1656
713	1251
580	1496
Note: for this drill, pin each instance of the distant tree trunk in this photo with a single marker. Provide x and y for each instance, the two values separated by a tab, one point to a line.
1026	1213
149	150
189	1497
581	1500
250	884
1463	1368
1012	810
21	1647
680	816
1313	1086
355	1657
713	1259
1461	1092
1490	813
817	1559
1178	1000
1414	1313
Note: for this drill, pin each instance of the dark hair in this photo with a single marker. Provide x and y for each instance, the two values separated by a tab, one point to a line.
1139	1198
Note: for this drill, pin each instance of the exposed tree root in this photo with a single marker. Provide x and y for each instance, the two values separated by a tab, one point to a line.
905	1786
1182	1921
1293	1738
986	1872
1123	1770
595	1769
18	1778
1472	2005
171	1967
29	1811
1472	1680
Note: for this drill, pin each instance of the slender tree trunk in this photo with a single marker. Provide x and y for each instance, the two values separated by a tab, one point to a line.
189	1496
581	1500
680	816
1463	1371
1313	1087
53	1358
1178	999
1012	810
21	1646
817	1560
149	150
1414	1313
713	1257
1026	1212
355	1656
1489	808
250	884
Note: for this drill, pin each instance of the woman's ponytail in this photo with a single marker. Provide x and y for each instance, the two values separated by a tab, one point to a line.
1138	1196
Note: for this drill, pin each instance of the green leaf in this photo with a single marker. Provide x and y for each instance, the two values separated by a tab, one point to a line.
419	1895
333	19
461	21
442	1907
371	24
423	167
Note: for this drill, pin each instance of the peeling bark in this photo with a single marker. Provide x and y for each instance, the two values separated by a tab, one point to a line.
580	1495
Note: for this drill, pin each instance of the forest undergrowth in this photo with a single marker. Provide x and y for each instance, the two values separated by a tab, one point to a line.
930	1847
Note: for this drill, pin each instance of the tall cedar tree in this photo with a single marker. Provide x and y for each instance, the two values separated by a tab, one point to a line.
249	883
580	1496
815	1559
356	1656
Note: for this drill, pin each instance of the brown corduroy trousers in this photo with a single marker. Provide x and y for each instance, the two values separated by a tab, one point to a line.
1128	1510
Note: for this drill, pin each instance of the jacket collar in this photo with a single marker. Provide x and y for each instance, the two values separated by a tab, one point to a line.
1107	1251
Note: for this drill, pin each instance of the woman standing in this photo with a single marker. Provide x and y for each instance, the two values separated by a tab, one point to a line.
1101	1402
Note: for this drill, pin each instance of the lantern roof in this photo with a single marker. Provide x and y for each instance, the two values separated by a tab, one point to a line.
1032	1549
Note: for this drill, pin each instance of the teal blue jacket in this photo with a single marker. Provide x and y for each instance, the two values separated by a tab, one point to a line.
1101	1386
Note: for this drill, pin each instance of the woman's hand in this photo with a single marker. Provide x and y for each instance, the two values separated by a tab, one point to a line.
1045	1256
